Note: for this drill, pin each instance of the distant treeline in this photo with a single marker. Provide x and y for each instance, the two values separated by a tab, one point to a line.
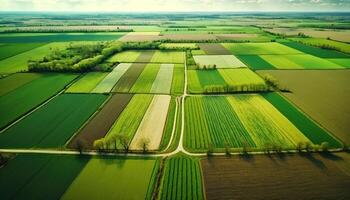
52	30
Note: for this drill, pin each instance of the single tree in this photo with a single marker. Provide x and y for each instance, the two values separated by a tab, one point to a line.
144	143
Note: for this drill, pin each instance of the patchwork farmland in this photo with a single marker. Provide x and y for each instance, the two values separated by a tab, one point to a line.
174	105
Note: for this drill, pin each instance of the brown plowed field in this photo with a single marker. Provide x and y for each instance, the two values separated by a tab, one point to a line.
278	177
214	49
99	126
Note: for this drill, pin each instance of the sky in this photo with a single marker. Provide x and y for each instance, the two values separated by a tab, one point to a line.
174	5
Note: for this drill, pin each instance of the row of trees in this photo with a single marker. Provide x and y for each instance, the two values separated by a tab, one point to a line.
61	30
210	89
77	57
119	143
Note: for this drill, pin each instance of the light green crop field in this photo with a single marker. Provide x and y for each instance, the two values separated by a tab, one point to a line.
221	61
163	81
243	79
259	48
129	120
345	62
19	62
146	79
113	179
198	52
177	86
168	57
303	61
12	49
235	122
87	83
125	56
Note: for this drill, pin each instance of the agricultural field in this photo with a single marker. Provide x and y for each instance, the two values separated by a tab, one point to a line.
25	176
219	61
57	37
237	121
182	179
8	50
17	63
172	104
114	178
23	96
49	127
287	177
322	95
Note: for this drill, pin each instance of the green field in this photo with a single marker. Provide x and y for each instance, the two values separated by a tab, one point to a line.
145	81
314	132
178	83
267	48
237	121
303	61
110	178
198	80
19	62
53	124
243	79
87	83
8	50
255	62
25	176
182	179
345	62
129	120
179	45
14	81
24	97
318	42
57	37
125	56
315	51
168	57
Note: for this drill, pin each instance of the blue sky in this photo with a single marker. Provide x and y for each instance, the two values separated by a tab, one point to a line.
174	5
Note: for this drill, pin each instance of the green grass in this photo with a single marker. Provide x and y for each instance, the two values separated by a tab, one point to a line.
125	56
221	61
200	79
145	81
315	51
15	81
318	42
242	79
168	57
87	83
163	81
18	102
110	178
53	124
309	128
212	121
19	62
303	61
182	179
255	62
178	79
25	176
129	120
8	50
57	37
259	48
